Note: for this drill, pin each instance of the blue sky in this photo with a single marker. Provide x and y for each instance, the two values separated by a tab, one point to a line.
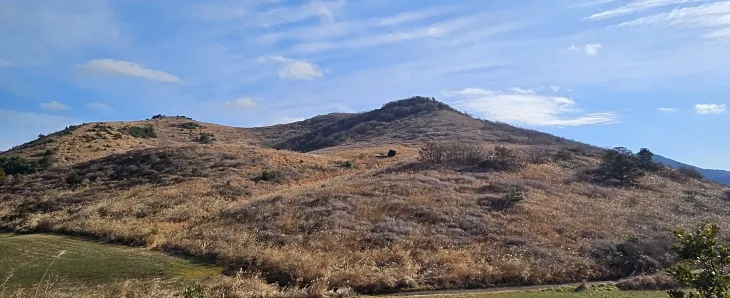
637	73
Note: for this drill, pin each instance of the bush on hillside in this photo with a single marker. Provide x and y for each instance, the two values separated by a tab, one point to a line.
634	256
502	159
3	176
619	167
392	153
563	155
657	282
691	172
205	138
15	165
143	132
536	155
189	125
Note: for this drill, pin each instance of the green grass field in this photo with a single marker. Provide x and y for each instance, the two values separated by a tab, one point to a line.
27	257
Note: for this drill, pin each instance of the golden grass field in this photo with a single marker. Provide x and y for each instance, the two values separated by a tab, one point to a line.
376	226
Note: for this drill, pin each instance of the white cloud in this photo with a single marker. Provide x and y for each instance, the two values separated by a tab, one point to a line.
99	106
522	91
554	88
286	120
117	67
636	6
249	12
710	108
714	16
296	69
592	49
667	110
589	49
54	105
242	103
528	108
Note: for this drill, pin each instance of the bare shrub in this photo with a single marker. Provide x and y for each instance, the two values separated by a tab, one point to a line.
453	153
536	155
647	283
691	173
502	159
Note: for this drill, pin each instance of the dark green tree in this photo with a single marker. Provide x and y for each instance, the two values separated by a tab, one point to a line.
621	167
646	160
3	176
702	262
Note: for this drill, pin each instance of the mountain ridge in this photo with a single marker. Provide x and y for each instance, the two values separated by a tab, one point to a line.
717	175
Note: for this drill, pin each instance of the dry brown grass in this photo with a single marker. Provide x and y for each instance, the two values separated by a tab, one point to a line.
388	224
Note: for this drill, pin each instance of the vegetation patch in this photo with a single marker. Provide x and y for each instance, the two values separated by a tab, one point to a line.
26	258
143	132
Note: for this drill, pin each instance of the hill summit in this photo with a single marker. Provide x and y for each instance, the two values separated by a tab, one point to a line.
413	195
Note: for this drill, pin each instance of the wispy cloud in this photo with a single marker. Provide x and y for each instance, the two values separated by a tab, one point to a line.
527	108
667	110
713	16
54	105
258	13
125	68
636	6
709	108
241	103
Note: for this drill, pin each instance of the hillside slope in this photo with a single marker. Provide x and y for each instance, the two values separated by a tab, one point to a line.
718	176
340	213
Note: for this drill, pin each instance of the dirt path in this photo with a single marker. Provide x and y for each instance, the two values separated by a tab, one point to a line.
493	290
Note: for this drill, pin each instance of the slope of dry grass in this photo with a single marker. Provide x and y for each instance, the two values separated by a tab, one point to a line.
388	224
344	215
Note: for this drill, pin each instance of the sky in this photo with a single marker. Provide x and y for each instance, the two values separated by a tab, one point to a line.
634	73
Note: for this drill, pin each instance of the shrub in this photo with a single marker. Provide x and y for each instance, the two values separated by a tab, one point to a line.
205	138
143	132
391	153
726	195
536	155
3	176
349	165
634	256
74	179
502	159
16	165
647	283
194	291
691	172
703	263
452	153
563	155
514	196
189	125
619	166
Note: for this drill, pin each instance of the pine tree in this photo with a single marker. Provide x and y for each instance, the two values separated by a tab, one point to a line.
620	166
646	160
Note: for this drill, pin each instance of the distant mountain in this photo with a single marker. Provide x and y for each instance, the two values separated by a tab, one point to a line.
719	176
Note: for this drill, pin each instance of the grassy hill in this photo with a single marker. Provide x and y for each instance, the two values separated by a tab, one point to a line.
317	202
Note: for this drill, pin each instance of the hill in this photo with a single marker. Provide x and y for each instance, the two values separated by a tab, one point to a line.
319	202
719	176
